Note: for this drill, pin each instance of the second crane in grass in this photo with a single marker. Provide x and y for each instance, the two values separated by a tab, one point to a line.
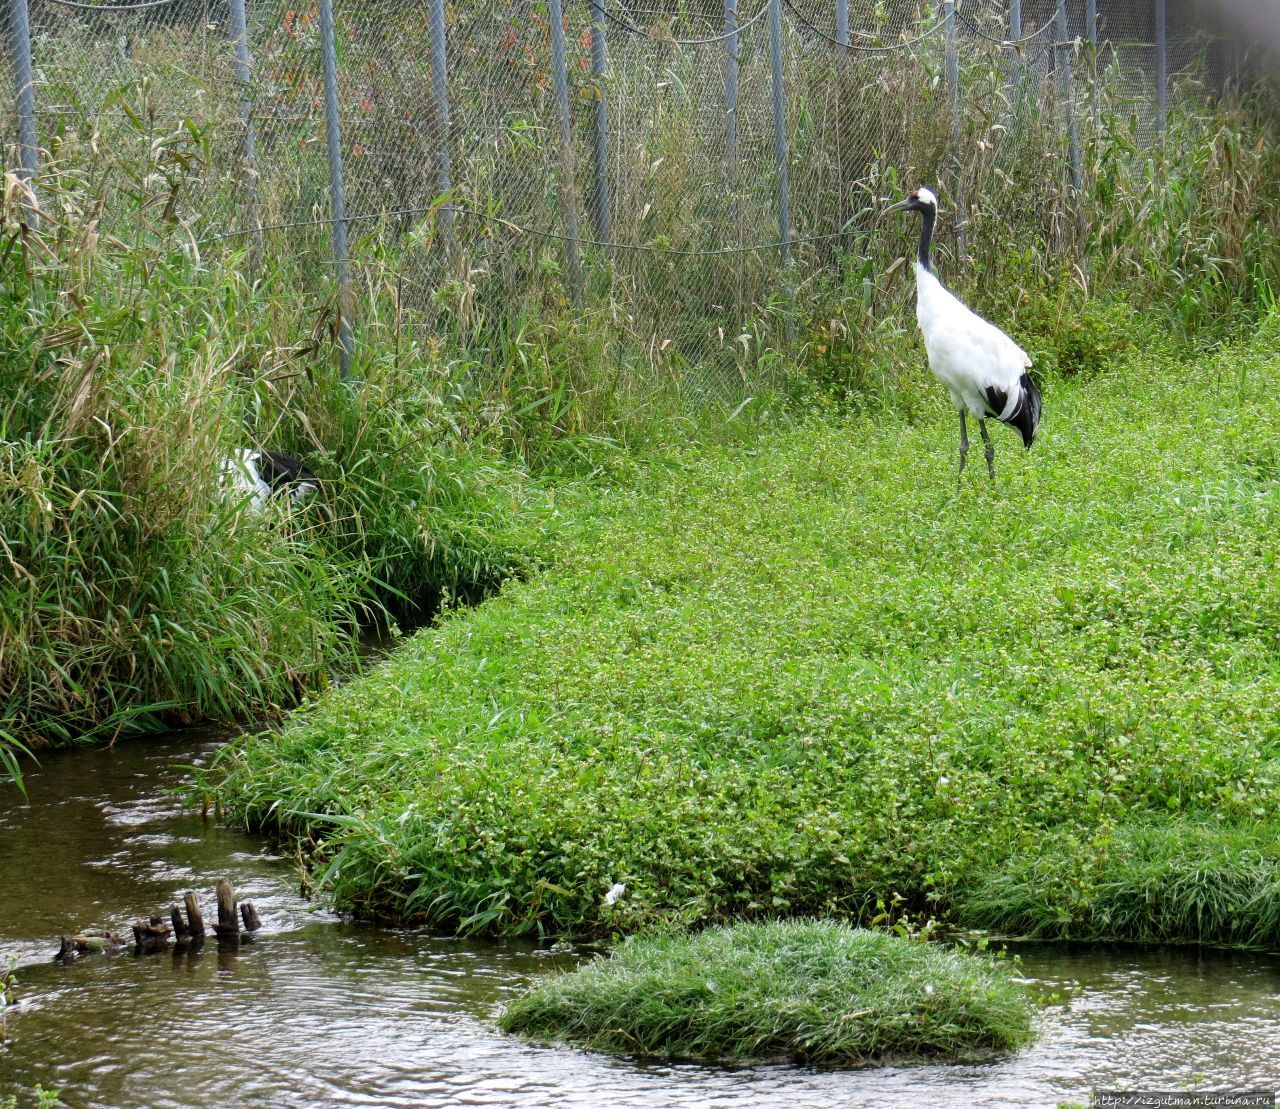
984	370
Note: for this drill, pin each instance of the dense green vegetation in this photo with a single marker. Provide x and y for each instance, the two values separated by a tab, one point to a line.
807	677
135	587
141	345
805	992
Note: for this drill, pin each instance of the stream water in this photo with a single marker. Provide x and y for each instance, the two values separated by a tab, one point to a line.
318	1011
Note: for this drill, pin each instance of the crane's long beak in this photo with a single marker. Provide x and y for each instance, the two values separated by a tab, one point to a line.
901	206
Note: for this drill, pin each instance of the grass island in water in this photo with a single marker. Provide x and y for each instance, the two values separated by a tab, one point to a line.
796	991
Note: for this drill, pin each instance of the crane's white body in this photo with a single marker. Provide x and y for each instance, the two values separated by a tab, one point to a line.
242	474
970	356
983	369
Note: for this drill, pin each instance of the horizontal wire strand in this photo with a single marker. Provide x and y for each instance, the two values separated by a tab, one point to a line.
113	7
632	29
748	249
975	29
796	17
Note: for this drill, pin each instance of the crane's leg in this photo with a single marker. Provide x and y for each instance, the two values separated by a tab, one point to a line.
990	452
964	445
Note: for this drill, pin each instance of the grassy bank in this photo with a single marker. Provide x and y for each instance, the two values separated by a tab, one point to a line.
137	589
797	991
808	677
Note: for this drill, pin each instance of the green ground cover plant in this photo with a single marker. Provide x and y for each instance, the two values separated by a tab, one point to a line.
796	991
809	676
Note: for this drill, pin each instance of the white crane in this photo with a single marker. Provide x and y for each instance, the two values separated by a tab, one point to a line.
257	473
984	370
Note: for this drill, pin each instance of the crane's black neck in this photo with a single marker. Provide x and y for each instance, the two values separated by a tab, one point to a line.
927	218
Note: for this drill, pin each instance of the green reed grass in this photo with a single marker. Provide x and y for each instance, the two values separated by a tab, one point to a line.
1183	228
136	590
1180	881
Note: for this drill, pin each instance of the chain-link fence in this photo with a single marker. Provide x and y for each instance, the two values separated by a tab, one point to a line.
682	170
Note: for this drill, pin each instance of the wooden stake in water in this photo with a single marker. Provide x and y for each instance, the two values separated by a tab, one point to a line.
195	918
228	920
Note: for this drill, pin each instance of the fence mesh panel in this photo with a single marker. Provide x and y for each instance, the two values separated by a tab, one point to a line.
461	208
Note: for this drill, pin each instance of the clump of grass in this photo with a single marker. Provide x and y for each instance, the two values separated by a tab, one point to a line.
431	510
135	590
43	1099
7	981
1175	881
800	991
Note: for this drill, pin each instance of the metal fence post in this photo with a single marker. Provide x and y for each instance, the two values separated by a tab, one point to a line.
1162	67
249	148
953	90
1227	61
731	108
568	202
1063	45
780	129
1015	33
1091	33
337	196
24	80
440	94
731	85
599	67
842	202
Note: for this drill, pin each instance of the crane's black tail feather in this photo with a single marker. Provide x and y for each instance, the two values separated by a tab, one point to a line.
280	470
1026	416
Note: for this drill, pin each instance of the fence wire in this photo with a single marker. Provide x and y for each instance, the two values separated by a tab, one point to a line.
461	196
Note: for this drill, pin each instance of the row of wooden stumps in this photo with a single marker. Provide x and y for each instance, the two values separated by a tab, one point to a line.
185	930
